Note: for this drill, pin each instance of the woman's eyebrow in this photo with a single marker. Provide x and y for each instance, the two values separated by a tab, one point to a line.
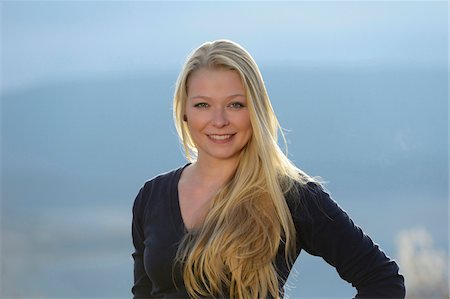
208	98
199	97
236	95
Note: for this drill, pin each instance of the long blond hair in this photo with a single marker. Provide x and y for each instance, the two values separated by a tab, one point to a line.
233	253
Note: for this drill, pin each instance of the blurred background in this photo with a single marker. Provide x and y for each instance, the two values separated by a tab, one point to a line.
86	87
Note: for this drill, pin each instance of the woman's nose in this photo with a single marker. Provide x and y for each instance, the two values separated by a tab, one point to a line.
220	118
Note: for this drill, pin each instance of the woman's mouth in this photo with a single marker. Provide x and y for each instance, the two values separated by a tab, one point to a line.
221	137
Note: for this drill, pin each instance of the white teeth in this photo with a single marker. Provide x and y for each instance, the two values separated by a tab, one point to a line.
220	137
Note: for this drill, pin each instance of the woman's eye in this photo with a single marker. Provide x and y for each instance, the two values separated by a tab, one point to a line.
236	105
201	105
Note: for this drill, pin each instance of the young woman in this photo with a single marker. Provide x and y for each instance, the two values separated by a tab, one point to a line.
232	221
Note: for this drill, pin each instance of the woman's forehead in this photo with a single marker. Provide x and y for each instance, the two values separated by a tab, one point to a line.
210	83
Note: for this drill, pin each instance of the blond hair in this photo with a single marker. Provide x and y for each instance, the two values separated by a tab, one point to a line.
233	253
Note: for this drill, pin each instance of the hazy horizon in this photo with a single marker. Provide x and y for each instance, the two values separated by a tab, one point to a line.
361	89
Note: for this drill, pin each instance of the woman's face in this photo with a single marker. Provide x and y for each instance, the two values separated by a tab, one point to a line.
217	115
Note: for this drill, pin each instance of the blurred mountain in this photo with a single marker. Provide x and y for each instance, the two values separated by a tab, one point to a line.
75	153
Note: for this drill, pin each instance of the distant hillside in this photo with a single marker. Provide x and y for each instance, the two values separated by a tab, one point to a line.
74	155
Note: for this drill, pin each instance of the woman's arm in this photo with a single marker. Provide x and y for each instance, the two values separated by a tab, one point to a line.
142	285
328	232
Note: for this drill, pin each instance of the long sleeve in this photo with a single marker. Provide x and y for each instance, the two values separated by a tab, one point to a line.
142	284
327	231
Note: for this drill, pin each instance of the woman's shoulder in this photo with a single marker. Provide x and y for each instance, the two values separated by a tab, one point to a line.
310	201
158	185
164	179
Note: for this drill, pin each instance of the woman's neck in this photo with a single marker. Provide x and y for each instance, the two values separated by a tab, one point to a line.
214	172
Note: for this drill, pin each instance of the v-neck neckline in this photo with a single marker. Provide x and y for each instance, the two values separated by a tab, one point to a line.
177	216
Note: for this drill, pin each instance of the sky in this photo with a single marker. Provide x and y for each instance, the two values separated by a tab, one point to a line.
51	40
357	128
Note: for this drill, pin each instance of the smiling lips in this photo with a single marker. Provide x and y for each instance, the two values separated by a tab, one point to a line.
220	138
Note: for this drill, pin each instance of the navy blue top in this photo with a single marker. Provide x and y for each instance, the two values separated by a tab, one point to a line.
323	229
